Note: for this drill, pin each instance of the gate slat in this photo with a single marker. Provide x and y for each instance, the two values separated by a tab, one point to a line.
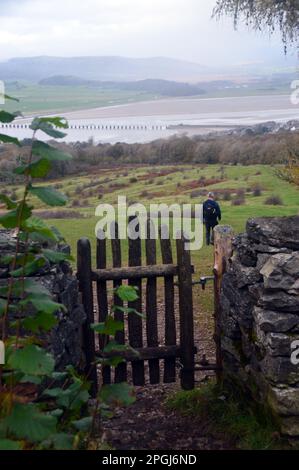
85	287
102	303
121	369
151	305
186	315
170	329
134	321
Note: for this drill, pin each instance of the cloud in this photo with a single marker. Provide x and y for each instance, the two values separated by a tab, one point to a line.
176	28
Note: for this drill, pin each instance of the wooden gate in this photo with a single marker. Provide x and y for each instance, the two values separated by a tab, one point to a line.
142	334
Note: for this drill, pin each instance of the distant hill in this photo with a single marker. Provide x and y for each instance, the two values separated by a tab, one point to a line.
101	68
153	86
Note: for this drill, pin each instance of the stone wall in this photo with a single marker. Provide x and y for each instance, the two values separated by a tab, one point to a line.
65	339
260	316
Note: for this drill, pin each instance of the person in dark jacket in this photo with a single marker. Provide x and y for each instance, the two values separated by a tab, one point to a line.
211	217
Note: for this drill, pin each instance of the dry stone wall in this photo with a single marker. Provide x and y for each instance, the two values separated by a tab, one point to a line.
65	339
260	317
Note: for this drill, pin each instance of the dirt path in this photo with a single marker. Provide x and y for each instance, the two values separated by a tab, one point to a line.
148	424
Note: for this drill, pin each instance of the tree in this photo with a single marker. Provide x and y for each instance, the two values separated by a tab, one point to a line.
270	14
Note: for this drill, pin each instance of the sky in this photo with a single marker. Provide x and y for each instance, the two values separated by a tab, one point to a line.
133	28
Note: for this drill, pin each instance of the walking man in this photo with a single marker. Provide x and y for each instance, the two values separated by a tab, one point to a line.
211	217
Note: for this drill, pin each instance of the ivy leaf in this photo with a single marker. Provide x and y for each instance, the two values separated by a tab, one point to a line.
44	150
8	444
121	394
27	422
127	293
46	125
7	139
49	195
42	321
83	424
38	169
8	117
56	256
10	204
109	327
37	225
32	360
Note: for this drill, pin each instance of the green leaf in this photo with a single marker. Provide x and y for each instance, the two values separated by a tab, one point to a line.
29	268
59	375
12	218
42	303
7	139
71	399
31	379
127	310
121	394
10	204
29	286
46	125
44	150
113	346
127	293
38	169
27	422
37	225
8	117
56	121
41	321
62	441
49	195
8	444
83	424
57	256
109	327
7	97
32	360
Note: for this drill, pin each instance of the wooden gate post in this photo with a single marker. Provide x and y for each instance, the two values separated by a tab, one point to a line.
186	315
84	274
223	236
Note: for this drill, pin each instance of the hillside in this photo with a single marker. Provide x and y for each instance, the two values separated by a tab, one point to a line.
100	68
155	86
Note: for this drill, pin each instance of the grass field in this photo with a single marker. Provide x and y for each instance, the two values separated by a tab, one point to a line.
170	184
54	99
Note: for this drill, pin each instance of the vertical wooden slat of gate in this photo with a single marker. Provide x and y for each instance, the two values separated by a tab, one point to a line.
186	315
134	321
85	286
151	304
102	302
121	369
170	330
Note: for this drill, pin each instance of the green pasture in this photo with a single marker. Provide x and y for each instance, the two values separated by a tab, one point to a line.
169	184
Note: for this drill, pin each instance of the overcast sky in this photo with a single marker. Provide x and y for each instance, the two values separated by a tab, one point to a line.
134	28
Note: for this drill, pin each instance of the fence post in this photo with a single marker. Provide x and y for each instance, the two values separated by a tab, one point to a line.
85	286
223	236
186	315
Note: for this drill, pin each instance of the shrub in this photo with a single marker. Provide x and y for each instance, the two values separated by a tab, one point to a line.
133	180
144	194
76	203
227	196
238	201
257	190
274	201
